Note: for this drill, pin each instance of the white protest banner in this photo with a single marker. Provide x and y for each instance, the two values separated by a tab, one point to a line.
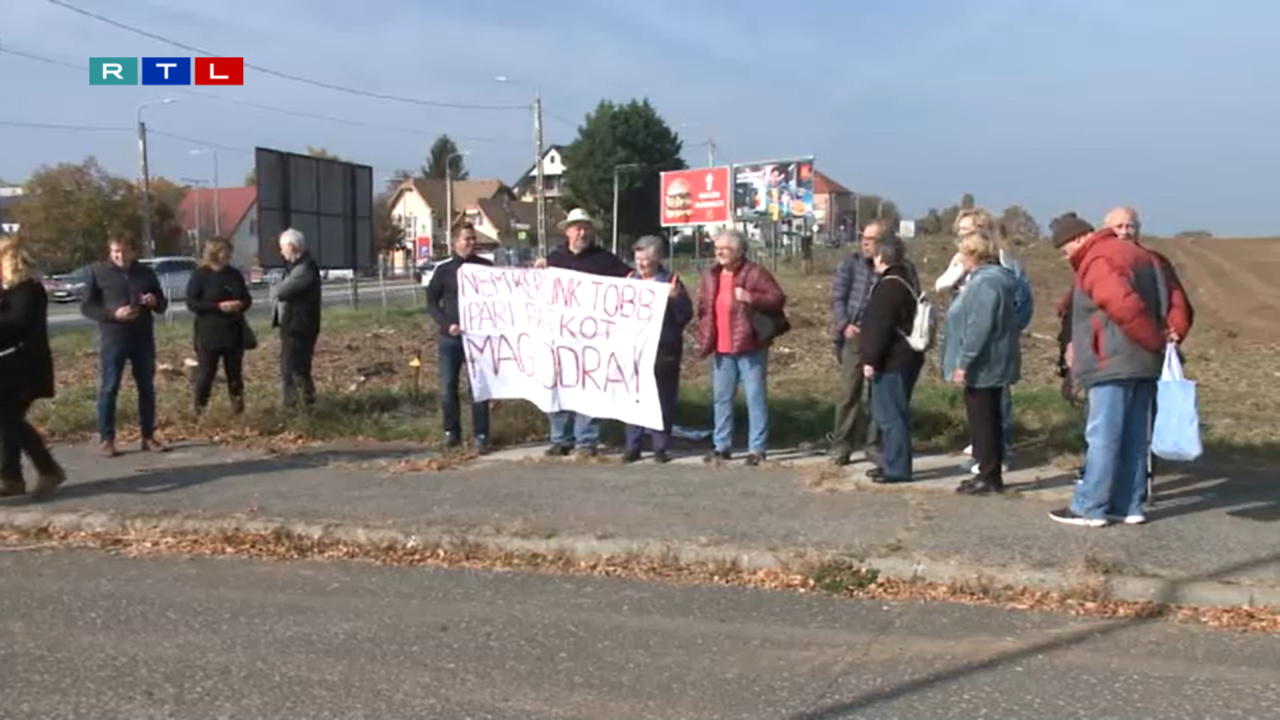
563	340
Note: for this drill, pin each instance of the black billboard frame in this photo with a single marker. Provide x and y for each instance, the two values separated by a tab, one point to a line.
276	190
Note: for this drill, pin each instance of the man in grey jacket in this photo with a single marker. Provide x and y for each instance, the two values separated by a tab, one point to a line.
296	312
850	290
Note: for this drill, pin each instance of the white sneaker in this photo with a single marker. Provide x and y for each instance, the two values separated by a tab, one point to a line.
1004	468
969	451
1137	519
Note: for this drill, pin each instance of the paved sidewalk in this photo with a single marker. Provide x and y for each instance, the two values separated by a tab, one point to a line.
1205	525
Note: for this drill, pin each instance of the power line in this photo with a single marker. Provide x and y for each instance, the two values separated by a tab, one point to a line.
269	108
150	130
198	141
285	75
57	126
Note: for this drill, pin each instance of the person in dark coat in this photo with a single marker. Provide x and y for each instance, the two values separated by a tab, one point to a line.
575	432
26	373
296	314
666	367
888	360
442	306
123	296
218	297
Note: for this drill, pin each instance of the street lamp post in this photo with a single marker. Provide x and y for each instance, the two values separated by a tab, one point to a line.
199	235
147	241
614	220
217	206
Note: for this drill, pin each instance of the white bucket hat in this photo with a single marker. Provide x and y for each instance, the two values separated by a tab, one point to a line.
576	215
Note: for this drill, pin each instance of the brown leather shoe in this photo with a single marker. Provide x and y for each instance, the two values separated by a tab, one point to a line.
108	449
153	444
12	487
48	482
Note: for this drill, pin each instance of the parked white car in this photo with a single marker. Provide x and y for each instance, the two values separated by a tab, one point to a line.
174	273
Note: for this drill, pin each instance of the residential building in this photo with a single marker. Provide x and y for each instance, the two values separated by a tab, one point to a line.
508	222
526	188
236	209
8	196
419	206
833	211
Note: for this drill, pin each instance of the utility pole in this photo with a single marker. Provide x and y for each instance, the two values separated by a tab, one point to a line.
542	190
614	219
148	244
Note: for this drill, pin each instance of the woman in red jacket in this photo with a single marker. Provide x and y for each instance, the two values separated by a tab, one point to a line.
740	312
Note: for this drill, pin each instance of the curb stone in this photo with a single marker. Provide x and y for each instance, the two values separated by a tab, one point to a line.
1190	592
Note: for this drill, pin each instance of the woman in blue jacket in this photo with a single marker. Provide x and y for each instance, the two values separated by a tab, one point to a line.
981	353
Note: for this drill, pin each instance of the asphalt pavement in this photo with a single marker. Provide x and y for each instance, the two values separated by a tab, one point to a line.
66	316
1205	526
88	635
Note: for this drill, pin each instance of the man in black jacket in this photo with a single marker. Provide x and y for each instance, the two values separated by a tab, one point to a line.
888	360
123	295
297	313
442	306
572	431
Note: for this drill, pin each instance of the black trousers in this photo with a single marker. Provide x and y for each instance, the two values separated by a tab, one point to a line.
666	373
18	436
982	407
296	352
232	360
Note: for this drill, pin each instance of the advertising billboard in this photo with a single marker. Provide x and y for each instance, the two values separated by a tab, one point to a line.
775	190
329	201
695	197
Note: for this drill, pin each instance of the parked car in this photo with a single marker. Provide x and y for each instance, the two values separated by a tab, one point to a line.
174	273
422	274
67	287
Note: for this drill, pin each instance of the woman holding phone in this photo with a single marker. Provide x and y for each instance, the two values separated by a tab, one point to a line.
219	298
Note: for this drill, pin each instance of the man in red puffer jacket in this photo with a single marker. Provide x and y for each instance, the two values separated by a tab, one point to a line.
1118	335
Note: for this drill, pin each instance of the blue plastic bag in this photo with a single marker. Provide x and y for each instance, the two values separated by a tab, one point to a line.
1176	432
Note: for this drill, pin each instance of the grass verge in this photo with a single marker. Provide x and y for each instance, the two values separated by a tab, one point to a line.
369	390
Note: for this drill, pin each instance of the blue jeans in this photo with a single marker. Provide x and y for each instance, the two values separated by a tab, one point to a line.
140	354
453	359
1115	464
726	372
891	411
573	429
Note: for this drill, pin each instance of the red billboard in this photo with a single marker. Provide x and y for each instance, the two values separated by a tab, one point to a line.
696	197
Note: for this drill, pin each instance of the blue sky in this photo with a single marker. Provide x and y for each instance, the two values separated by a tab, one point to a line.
1052	104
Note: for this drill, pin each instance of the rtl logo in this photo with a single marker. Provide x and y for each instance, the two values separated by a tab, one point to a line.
166	71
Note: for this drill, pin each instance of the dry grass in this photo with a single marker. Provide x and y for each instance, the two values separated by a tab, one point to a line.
368	389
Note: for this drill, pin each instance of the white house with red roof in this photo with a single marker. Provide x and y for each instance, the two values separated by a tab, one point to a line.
231	212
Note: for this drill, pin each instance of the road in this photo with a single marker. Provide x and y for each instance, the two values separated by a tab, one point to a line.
66	316
87	635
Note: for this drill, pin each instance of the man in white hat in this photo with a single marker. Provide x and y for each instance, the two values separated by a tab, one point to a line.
572	431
